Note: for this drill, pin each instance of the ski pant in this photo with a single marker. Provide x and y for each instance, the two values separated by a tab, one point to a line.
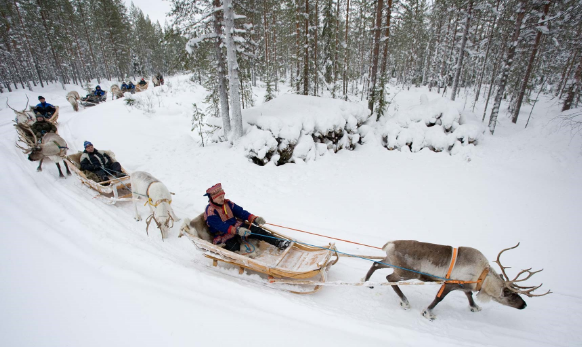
258	233
112	170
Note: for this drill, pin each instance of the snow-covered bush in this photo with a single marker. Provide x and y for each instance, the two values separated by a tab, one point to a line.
295	127
436	124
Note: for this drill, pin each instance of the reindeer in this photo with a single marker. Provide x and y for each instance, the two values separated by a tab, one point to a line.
53	146
156	81
467	269
159	198
73	97
116	91
24	116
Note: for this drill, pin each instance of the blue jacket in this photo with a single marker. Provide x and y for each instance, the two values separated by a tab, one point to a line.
99	92
45	109
223	221
124	86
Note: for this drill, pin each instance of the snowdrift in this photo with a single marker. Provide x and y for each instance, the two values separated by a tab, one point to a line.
437	124
296	127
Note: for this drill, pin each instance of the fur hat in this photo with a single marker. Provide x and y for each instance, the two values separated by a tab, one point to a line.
87	144
214	191
40	97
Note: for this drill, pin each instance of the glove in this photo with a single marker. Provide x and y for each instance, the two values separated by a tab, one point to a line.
260	220
243	232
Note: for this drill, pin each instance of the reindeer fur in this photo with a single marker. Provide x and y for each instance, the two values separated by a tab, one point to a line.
55	148
435	260
145	186
73	98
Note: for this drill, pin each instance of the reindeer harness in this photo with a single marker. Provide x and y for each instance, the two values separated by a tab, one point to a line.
479	281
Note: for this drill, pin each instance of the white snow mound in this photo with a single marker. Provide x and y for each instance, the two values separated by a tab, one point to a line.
296	127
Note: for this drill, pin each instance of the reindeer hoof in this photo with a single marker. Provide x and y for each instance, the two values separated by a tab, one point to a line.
137	219
428	315
39	169
475	308
405	305
68	174
62	176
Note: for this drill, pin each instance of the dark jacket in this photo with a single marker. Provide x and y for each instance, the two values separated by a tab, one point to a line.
45	109
223	221
131	85
94	161
43	127
142	83
99	92
124	86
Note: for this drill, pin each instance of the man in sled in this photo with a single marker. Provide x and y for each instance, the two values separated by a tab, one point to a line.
131	87
142	82
96	96
124	87
99	163
44	108
230	224
42	126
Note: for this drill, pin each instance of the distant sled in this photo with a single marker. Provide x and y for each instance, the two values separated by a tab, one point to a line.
112	191
297	262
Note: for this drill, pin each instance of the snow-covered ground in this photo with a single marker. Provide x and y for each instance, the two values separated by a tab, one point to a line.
77	272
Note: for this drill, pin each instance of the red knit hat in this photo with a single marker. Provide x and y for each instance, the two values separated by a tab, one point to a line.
214	191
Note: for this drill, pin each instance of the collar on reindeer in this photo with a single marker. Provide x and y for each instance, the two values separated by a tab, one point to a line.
150	201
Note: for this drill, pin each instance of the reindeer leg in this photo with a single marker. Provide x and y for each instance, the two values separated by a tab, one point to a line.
427	313
60	172
39	168
171	211
67	167
472	305
375	266
393	277
137	216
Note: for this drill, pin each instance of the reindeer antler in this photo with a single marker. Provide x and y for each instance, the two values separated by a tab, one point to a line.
27	101
510	284
24	139
10	106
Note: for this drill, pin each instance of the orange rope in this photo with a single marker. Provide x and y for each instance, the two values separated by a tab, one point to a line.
329	237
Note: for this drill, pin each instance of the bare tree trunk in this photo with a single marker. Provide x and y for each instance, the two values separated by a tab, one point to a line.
315	48
491	33
58	65
507	66
306	56
297	46
235	101
335	59
222	89
345	74
375	52
462	52
574	87
530	64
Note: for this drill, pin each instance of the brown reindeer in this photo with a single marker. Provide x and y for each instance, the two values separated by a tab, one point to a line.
116	92
469	272
52	146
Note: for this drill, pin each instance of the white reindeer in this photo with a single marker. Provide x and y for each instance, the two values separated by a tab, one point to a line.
157	196
116	92
73	98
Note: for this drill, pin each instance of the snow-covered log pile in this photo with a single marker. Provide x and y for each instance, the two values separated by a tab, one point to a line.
295	127
437	124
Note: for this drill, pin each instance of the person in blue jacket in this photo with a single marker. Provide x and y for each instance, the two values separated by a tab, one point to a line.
230	224
98	91
124	87
131	87
44	108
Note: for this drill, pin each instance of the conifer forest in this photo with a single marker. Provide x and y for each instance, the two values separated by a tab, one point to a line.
489	50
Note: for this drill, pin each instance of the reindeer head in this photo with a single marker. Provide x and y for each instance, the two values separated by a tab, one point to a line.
35	154
162	216
22	117
506	291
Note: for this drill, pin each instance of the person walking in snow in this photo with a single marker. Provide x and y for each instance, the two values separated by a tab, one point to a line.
99	163
44	108
230	224
42	127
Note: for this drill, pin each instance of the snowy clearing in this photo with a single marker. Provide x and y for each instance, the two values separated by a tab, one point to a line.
76	271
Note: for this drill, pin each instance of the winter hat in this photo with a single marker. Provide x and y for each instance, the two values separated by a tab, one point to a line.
87	144
40	97
214	191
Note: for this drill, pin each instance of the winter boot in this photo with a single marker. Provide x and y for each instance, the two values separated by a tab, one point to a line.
283	244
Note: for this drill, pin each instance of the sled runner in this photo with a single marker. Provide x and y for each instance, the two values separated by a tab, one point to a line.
296	262
112	191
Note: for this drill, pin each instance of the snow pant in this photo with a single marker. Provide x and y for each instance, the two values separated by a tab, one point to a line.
111	170
258	233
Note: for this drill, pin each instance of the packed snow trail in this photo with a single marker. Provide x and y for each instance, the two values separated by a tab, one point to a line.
76	271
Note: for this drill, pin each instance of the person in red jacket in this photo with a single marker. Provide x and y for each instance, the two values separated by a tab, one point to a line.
230	224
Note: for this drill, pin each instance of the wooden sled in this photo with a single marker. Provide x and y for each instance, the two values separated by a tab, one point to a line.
112	191
87	103
297	262
139	88
53	119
